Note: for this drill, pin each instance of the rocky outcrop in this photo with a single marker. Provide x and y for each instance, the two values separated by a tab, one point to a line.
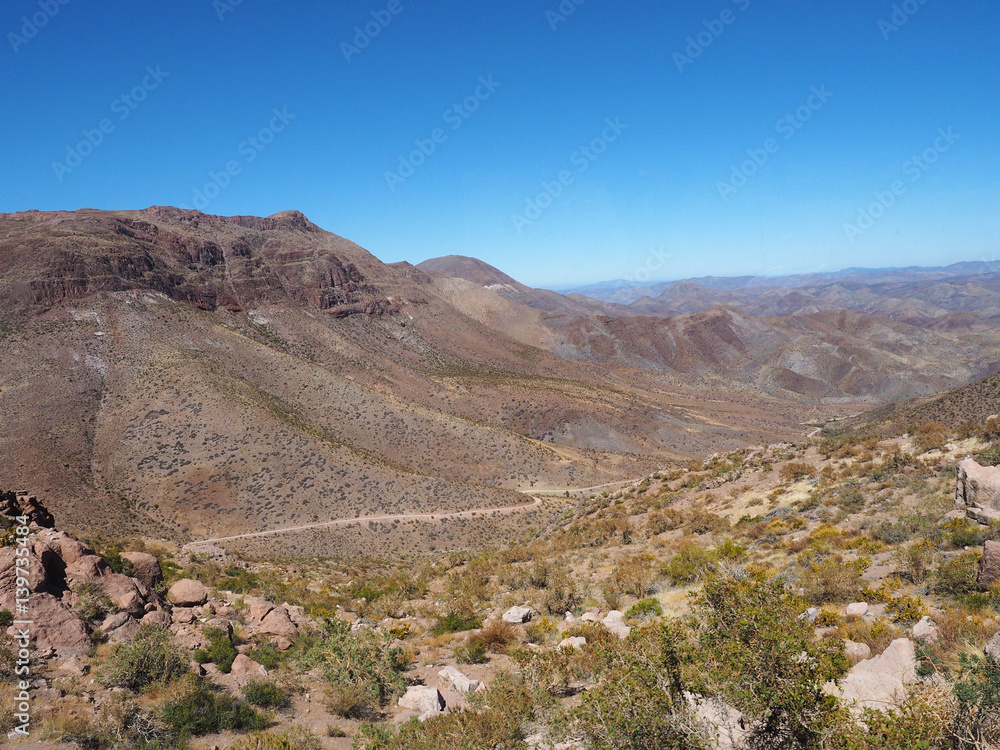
145	567
880	682
989	566
20	504
978	490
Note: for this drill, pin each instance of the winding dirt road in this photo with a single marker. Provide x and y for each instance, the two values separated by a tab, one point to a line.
369	519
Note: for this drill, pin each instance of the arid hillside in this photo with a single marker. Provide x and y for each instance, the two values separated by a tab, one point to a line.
198	376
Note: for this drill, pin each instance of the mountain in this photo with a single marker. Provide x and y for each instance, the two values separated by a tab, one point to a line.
197	376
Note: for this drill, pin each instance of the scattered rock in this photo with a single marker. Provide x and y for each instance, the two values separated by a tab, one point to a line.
572	644
725	723
158	618
277	622
517	615
857	609
184	615
187	593
614	621
926	630
879	682
978	489
145	567
460	683
857	651
244	666
258	609
989	566
427	702
993	647
810	615
590	617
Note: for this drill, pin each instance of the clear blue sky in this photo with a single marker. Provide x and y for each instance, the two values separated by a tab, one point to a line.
655	186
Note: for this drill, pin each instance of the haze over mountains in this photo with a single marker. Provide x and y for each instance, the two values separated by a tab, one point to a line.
202	375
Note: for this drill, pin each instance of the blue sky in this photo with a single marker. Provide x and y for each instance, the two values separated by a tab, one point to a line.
891	156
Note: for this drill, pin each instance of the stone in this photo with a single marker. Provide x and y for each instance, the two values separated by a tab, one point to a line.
880	682
184	615
517	615
145	567
278	623
86	569
614	621
989	566
993	647
572	644
926	630
74	665
56	627
223	625
978	489
590	617
158	618
282	643
187	593
857	651
810	615
452	678
726	725
115	621
258	609
427	702
244	666
857	609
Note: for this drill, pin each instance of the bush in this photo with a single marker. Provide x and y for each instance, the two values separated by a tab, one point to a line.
730	550
92	604
6	618
977	691
363	674
220	651
644	610
148	659
931	436
831	580
473	652
689	565
956	577
498	635
891	533
453	622
265	694
793	472
202	711
915	560
293	738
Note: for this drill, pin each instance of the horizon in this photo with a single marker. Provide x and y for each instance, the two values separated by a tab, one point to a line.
718	138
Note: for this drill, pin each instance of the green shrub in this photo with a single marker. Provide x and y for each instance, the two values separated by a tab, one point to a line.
200	711
92	604
831	580
989	456
148	659
977	691
6	619
645	610
891	533
293	738
453	622
689	565
956	577
730	550
473	652
265	694
220	651
362	672
267	655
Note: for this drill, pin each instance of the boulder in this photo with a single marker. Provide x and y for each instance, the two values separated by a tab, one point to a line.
56	627
278	623
810	615
145	567
258	609
572	644
880	682
427	702
187	593
450	677
158	618
86	569
926	630
244	666
978	490
124	592
989	566
857	651
726	726
517	615
857	609
184	615
993	647
590	617
614	621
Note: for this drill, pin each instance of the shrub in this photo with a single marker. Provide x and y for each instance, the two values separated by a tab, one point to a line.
989	456
265	694
730	550
831	580
891	533
148	659
293	738
199	710
267	655
931	436
453	622
878	634
977	691
956	576
498	635
220	651
6	618
689	565
363	674
915	560
991	430
793	472
473	652
644	610
92	604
